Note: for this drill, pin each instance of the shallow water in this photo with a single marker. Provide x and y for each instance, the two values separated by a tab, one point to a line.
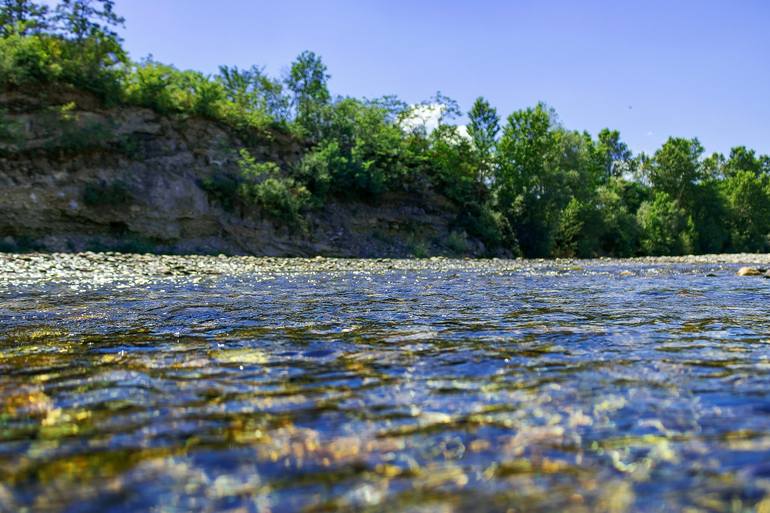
271	386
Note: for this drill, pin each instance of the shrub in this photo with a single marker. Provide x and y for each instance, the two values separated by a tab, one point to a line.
95	64
25	60
279	198
154	86
457	243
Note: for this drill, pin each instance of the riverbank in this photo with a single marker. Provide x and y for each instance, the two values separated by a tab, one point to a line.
79	175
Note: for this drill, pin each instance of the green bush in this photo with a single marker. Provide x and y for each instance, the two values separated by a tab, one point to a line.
457	242
27	60
94	64
279	198
155	86
168	90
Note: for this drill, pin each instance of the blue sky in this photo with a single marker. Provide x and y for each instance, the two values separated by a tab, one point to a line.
648	68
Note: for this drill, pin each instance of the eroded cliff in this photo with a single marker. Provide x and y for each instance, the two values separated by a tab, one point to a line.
79	175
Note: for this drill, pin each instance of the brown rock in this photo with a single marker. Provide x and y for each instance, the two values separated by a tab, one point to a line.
750	271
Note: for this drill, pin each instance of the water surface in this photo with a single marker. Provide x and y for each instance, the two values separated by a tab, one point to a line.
175	384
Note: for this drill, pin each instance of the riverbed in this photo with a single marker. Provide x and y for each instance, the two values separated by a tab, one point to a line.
205	383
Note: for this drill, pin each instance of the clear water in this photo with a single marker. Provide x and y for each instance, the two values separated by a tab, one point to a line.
597	386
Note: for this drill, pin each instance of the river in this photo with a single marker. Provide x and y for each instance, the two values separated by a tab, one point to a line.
176	384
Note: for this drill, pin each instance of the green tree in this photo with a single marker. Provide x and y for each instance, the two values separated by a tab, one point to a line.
744	159
525	152
22	16
251	89
579	231
675	169
713	167
710	215
618	201
483	127
81	19
665	226
308	81
540	167
615	156
748	203
361	152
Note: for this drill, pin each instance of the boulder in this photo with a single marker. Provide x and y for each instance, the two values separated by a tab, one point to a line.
751	271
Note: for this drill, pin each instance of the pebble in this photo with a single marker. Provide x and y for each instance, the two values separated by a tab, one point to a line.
100	268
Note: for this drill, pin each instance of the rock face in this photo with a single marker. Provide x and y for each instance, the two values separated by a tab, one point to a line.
76	175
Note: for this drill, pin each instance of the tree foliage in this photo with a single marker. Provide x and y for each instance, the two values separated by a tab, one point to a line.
307	81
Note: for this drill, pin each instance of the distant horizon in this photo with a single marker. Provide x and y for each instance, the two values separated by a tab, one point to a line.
694	69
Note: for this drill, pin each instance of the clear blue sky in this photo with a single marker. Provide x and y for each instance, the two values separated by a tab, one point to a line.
649	68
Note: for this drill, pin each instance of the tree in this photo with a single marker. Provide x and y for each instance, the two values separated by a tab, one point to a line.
615	156
742	159
81	19
525	182
483	127
22	16
579	230
308	81
617	202
362	152
748	202
675	169
713	167
251	89
665	227
710	216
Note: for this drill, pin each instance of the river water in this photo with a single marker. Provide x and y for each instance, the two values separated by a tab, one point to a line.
176	384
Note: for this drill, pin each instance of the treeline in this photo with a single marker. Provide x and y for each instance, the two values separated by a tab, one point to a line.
524	185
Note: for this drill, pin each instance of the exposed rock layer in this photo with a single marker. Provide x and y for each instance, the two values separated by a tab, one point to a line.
63	142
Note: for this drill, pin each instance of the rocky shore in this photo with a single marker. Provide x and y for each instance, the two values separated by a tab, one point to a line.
108	267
